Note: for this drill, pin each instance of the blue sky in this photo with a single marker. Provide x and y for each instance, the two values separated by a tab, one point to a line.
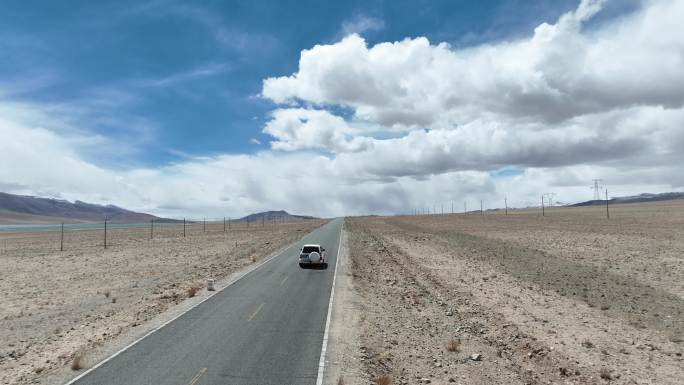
332	108
178	78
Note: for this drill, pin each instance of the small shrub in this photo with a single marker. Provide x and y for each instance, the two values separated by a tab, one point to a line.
192	291
605	374
77	362
384	380
587	344
340	381
107	294
453	345
254	258
114	300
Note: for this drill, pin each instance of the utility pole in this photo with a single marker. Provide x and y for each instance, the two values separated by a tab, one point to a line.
452	206
465	208
183	227
542	205
597	188
204	224
506	204
224	224
442	208
61	239
481	208
550	198
607	210
151	228
105	234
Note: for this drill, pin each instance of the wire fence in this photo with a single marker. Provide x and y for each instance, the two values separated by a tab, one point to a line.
107	233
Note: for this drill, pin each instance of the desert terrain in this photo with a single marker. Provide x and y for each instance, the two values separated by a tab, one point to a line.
568	298
86	301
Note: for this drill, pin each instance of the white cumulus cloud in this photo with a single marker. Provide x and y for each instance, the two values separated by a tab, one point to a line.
411	124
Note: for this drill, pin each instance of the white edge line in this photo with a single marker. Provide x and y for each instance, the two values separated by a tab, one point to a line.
321	361
244	274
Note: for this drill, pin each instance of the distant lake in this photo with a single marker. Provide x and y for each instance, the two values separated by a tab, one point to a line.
75	226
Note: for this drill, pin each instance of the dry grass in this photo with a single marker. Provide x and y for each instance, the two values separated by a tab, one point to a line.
384	380
77	362
453	345
192	291
605	374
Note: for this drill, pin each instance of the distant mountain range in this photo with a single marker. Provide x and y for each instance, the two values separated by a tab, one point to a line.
634	199
22	209
272	215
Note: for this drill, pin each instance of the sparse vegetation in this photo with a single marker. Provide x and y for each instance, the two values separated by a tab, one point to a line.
340	381
192	291
77	361
384	380
606	374
107	293
453	345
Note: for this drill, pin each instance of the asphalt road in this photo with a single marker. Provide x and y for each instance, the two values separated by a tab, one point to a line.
267	328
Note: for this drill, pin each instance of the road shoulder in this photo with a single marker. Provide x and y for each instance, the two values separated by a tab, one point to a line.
343	365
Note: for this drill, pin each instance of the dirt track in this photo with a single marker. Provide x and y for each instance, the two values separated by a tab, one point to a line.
567	298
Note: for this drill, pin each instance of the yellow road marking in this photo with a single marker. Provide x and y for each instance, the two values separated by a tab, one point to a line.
284	279
197	376
256	312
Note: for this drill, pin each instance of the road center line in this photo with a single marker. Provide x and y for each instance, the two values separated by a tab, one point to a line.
256	312
197	376
284	279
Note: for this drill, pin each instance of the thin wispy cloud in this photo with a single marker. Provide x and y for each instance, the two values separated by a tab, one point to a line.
361	24
201	72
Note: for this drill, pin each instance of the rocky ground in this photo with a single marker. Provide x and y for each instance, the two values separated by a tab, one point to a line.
570	297
86	301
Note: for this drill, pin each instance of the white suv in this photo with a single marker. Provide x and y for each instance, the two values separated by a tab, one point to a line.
312	255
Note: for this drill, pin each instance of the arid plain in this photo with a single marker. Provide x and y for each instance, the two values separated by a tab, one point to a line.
571	297
86	301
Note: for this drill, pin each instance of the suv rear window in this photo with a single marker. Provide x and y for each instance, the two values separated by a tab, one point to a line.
310	249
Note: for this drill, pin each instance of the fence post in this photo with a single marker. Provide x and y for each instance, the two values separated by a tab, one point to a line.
204	223
542	205
151	228
61	239
105	234
481	208
506	204
183	227
224	224
607	211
